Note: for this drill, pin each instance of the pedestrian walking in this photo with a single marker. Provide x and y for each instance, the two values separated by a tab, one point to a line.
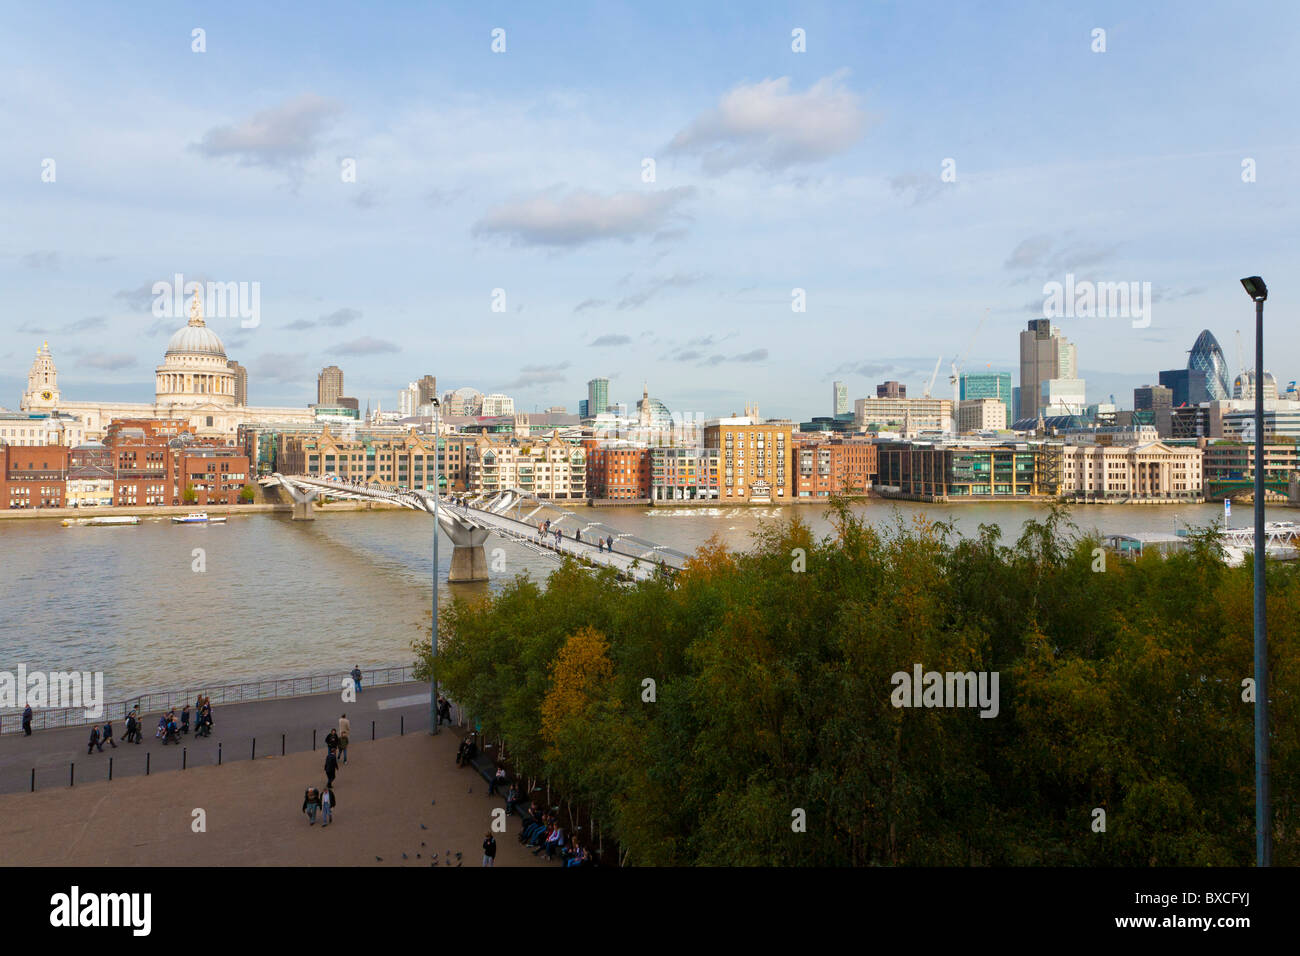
94	740
489	849
444	710
610	542
331	767
185	719
310	804
356	678
345	731
108	735
326	807
27	721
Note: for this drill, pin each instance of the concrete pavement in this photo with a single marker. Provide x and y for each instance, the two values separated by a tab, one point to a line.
51	752
401	799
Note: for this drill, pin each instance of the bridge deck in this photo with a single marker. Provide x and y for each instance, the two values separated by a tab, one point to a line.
631	556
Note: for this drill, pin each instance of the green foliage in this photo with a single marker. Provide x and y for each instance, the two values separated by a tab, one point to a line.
1119	690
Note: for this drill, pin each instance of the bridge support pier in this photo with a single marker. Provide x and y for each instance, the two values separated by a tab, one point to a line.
468	564
468	560
302	510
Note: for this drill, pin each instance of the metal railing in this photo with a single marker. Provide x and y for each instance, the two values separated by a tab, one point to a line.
242	692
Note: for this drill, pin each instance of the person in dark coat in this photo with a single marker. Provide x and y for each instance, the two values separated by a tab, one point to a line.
331	768
27	721
108	735
94	740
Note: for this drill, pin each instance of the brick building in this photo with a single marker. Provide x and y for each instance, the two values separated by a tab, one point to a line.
834	467
618	472
34	476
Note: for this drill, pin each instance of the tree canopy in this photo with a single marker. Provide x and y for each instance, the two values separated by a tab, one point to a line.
695	718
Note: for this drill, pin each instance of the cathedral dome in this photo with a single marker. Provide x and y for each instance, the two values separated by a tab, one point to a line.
196	340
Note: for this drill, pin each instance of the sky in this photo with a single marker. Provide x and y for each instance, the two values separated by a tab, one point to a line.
914	175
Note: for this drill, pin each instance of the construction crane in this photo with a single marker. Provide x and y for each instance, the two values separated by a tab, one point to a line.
933	376
955	378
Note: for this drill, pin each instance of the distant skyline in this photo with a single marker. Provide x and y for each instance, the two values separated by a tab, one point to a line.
523	171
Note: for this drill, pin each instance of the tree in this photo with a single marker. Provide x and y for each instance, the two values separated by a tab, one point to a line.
190	496
247	494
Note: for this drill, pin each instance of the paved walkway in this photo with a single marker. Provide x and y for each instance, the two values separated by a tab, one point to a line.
401	800
51	752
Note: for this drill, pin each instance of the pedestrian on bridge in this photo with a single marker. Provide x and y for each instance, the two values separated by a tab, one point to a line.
345	731
108	735
326	807
94	740
356	678
27	721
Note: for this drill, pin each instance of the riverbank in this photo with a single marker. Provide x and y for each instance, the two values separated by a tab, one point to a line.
166	511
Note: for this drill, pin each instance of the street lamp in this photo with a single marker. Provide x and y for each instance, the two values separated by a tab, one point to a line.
1258	291
433	655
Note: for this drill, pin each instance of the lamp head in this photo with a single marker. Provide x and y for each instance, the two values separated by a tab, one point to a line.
1255	288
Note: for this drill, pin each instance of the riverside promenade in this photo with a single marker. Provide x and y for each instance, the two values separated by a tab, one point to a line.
241	731
395	793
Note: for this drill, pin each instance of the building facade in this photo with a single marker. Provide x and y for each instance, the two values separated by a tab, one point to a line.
823	469
930	471
755	458
977	385
1151	471
981	414
1044	354
618	472
329	385
551	469
907	415
684	473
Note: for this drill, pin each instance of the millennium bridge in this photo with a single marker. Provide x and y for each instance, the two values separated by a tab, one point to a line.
510	513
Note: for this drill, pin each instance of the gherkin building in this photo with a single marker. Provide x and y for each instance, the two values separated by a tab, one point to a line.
1207	357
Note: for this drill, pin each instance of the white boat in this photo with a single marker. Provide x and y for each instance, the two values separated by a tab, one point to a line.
196	517
102	521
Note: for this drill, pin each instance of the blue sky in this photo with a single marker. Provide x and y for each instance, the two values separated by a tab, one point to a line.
522	171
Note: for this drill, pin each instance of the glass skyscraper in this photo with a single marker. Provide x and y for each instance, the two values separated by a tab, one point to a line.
597	396
975	385
1207	357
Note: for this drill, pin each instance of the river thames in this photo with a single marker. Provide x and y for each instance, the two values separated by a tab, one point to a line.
281	598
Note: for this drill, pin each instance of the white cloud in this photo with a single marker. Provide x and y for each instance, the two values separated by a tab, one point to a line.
553	218
764	124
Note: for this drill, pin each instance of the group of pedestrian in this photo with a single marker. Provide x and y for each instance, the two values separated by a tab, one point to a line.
101	734
321	799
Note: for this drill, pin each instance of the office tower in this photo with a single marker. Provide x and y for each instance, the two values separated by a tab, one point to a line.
1186	385
428	386
977	385
597	396
329	386
1060	396
1147	397
583	409
408	400
241	382
841	399
891	389
1045	354
1207	357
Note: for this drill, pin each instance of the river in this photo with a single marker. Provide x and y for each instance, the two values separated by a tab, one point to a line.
278	598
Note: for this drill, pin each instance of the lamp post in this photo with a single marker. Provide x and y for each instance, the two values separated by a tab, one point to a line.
433	654
1258	291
